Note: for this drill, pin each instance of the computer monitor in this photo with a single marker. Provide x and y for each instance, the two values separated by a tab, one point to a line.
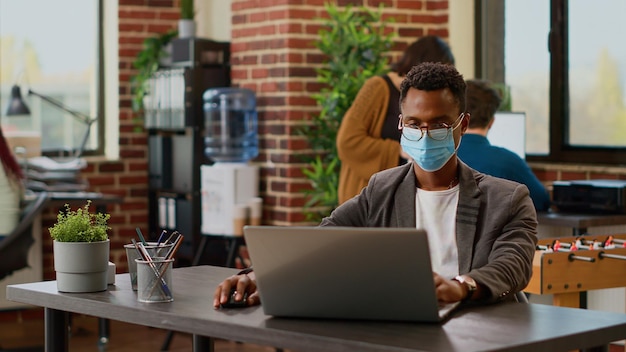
509	131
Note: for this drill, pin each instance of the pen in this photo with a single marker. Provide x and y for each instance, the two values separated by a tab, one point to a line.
170	237
170	255
161	237
143	240
177	242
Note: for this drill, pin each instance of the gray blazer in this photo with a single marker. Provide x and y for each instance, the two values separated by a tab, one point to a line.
496	223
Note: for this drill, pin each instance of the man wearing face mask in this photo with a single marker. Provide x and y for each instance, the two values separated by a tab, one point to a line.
481	229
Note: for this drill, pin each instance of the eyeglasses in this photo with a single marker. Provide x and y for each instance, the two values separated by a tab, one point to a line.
437	131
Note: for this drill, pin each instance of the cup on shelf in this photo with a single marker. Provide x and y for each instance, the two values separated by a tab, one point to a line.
256	210
240	219
131	254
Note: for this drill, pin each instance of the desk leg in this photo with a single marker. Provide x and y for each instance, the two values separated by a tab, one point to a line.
200	251
104	327
103	324
202	344
57	322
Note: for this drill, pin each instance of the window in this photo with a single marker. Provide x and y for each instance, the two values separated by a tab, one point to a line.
565	64
54	48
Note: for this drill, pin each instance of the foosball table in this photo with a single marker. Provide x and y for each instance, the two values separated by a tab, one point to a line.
568	266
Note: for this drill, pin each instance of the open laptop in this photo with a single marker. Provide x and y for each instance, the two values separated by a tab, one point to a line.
344	273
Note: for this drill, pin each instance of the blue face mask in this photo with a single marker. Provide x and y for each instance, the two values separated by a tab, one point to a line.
429	154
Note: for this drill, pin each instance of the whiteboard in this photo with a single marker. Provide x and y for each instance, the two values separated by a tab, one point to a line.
509	131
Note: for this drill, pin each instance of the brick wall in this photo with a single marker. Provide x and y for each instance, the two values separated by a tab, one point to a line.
273	53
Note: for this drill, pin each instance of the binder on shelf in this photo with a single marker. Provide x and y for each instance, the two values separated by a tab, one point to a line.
162	220
184	220
171	213
160	162
182	163
165	104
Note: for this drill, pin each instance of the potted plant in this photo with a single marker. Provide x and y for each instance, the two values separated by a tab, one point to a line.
186	24
81	250
355	48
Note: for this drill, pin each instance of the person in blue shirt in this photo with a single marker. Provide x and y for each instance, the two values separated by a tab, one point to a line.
476	151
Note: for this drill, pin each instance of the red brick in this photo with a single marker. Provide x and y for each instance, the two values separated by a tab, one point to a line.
111	167
409	4
442	32
136	14
429	19
376	3
570	175
437	5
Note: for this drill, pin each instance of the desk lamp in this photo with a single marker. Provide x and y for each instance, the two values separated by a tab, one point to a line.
17	106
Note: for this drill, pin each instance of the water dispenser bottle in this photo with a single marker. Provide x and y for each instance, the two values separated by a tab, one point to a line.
230	124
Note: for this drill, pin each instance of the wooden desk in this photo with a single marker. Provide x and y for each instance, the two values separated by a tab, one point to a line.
500	327
579	222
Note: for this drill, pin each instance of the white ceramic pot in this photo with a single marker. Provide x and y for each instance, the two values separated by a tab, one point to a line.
186	28
81	266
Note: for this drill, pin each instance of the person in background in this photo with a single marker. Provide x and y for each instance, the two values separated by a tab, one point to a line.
482	230
476	151
368	139
11	189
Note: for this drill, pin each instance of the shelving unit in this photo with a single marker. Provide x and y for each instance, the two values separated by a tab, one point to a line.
175	125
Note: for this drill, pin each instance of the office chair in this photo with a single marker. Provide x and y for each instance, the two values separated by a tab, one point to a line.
521	297
14	247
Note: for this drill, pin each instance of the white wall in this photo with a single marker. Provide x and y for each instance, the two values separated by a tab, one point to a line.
213	19
462	36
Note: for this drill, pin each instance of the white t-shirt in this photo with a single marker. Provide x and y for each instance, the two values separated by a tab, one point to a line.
9	204
436	213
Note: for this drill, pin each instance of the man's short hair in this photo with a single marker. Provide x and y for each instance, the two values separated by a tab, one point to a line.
431	76
482	103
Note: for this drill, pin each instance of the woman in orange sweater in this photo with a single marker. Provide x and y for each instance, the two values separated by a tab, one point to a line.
368	140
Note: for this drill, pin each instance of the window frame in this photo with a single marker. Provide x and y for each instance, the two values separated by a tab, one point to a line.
489	18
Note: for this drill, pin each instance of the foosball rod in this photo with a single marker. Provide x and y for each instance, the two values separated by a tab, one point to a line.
603	255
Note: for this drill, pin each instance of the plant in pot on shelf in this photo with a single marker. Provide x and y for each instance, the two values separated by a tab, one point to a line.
186	24
81	250
153	55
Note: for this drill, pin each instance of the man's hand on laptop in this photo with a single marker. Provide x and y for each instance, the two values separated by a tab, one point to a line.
241	284
449	291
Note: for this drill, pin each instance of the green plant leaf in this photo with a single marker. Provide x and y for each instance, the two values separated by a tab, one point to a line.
80	225
355	47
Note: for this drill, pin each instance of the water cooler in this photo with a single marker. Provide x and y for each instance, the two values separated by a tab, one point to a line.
229	187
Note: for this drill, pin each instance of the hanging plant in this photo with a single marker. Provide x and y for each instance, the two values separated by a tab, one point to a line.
147	63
